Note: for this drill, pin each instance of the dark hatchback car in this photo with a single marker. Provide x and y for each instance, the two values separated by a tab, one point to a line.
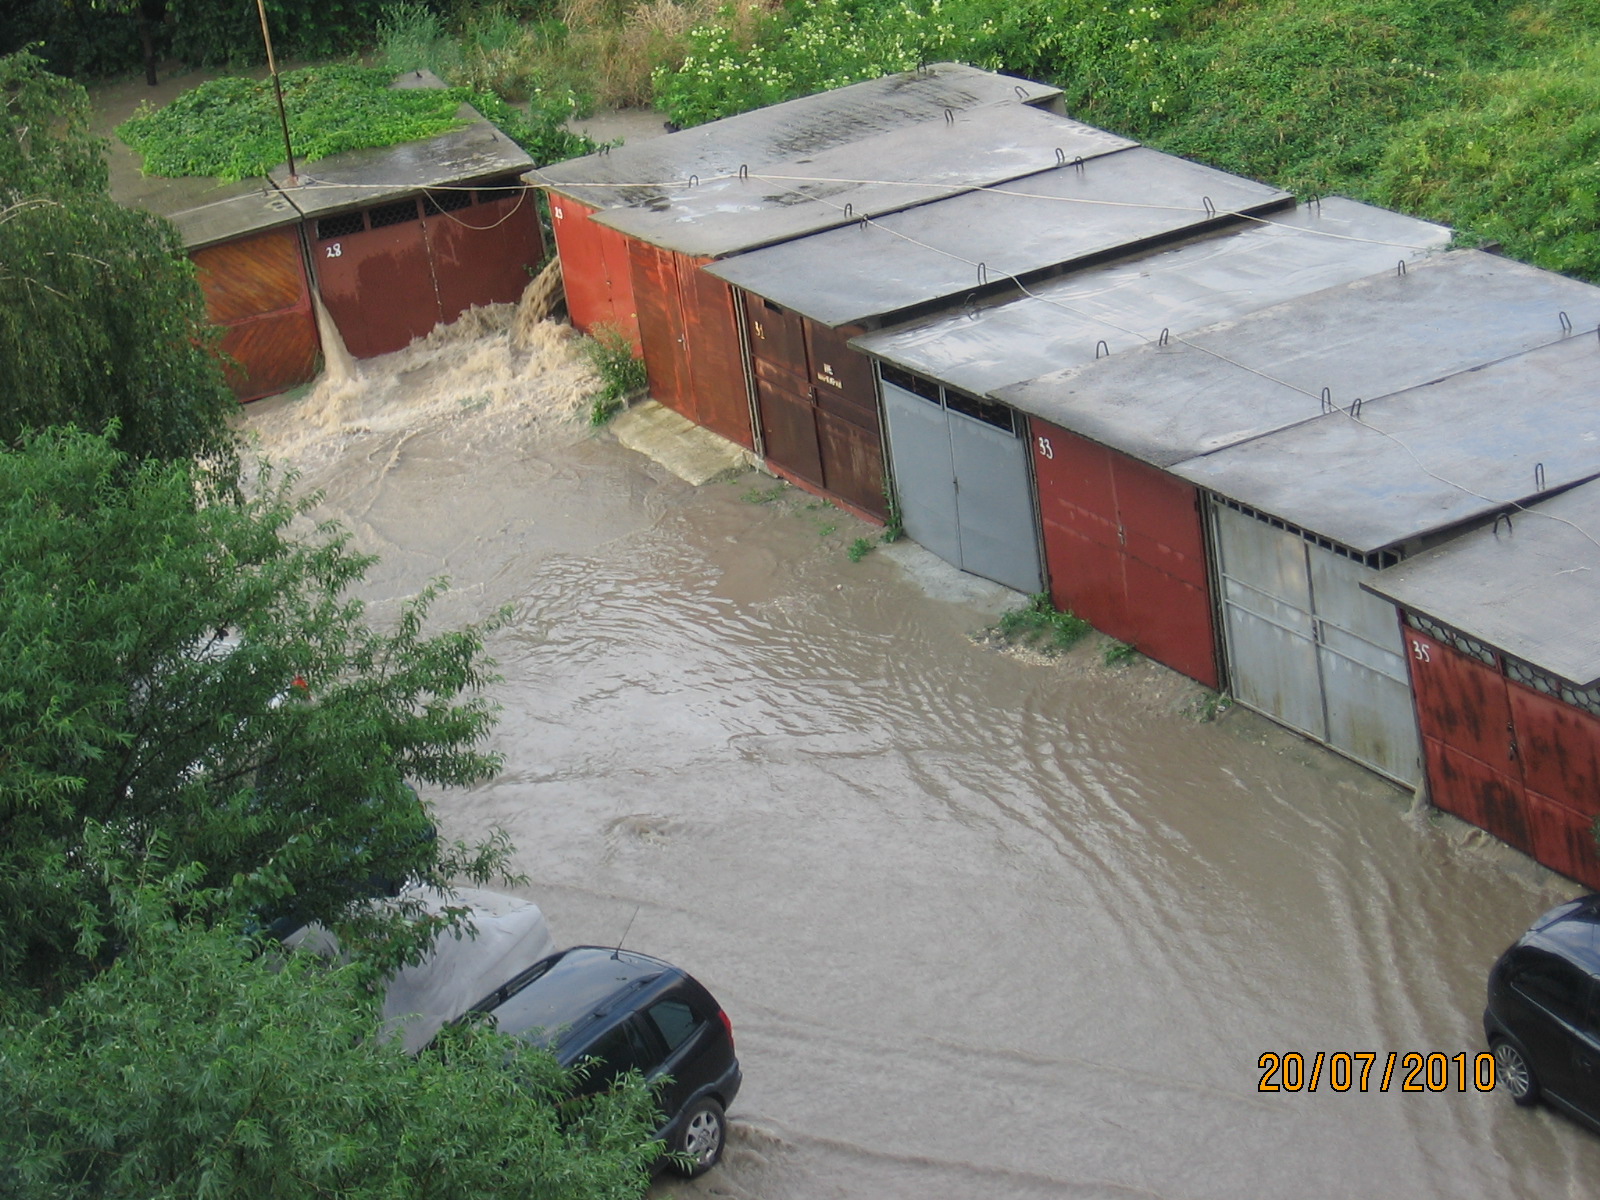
1543	1015
629	1011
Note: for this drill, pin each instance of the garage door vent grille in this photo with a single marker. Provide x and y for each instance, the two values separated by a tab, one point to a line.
397	213
340	226
445	201
1453	638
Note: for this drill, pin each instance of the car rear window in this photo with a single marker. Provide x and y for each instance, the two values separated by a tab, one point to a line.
675	1021
619	1050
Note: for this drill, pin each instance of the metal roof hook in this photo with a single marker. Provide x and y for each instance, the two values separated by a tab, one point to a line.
863	223
1077	162
1566	323
1100	347
970	306
694	181
1400	268
1211	209
1538	477
1506	517
1166	335
1022	92
1355	408
849	211
1061	157
983	274
1314	201
744	170
1327	400
949	115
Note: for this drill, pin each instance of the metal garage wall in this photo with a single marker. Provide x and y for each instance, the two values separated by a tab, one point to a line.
482	243
595	270
1503	754
818	405
1125	549
961	476
690	338
256	289
1306	646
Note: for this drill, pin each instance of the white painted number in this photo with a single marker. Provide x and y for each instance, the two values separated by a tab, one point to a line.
1046	450
1419	651
335	250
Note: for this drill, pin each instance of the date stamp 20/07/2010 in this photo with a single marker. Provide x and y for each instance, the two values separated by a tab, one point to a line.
1374	1071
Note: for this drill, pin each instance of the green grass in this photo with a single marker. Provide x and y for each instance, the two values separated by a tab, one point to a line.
859	549
1116	653
1040	626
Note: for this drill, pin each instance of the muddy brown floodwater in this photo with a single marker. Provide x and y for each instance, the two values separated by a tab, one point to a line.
987	925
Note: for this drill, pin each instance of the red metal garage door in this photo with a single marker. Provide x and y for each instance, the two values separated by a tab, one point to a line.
1521	764
1125	550
483	244
375	276
595	270
255	288
691	341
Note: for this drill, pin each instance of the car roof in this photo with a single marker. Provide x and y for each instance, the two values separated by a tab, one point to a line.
562	992
1571	930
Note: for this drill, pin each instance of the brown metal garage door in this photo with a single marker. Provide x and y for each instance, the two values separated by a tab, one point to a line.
818	405
255	289
595	270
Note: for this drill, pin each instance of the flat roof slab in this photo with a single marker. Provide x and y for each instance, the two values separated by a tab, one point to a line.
1529	587
1427	458
1219	275
229	217
1241	379
360	177
636	173
926	254
894	170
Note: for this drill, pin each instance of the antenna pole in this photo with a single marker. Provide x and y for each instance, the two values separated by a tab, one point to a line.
626	930
277	88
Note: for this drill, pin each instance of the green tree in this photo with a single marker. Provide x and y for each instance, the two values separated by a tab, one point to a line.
181	668
192	1067
100	315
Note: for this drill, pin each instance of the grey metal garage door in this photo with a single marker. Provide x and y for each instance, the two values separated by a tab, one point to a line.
961	476
1307	647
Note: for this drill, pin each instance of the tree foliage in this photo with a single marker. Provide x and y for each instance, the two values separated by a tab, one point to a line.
186	671
193	1067
100	315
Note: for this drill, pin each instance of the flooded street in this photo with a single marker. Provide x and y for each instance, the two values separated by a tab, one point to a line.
987	924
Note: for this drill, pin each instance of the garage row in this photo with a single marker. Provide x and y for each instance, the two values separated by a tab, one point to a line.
1304	452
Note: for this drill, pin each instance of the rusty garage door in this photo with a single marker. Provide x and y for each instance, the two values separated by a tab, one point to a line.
1307	647
255	289
818	405
1125	549
595	270
391	272
1505	750
691	341
961	476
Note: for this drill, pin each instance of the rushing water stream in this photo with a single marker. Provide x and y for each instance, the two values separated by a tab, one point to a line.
987	925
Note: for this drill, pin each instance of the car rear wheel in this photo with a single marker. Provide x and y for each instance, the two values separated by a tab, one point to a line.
1513	1073
700	1138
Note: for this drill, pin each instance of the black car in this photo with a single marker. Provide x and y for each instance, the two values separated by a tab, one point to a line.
629	1011
1543	1016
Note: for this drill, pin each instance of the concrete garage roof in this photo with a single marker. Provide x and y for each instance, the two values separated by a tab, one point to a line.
1530	587
781	133
924	255
1428	458
356	178
1220	275
1241	379
890	171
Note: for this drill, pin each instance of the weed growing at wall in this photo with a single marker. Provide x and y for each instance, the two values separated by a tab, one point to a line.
621	374
1040	626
